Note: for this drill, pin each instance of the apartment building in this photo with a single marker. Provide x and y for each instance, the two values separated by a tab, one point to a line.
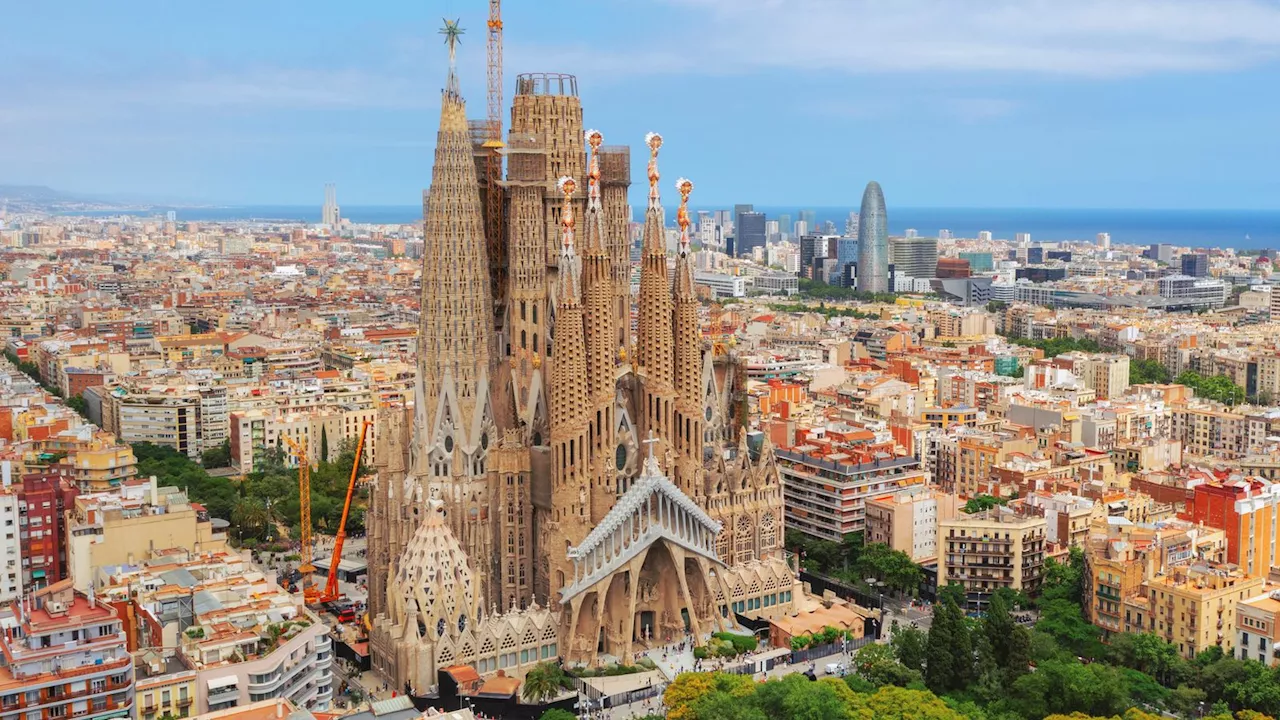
131	526
43	499
1248	511
1067	517
1192	607
907	520
163	686
990	550
825	496
1210	429
244	637
1121	556
964	459
95	461
254	431
64	656
10	544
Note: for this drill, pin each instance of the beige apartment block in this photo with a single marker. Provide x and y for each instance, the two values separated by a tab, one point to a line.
907	521
131	525
991	550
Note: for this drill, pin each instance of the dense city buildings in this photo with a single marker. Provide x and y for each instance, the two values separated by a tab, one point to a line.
577	435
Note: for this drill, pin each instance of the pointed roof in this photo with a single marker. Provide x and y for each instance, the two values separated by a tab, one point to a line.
455	322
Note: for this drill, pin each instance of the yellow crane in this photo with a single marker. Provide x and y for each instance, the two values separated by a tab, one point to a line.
493	166
298	449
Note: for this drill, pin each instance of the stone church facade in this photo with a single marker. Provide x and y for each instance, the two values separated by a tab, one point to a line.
565	485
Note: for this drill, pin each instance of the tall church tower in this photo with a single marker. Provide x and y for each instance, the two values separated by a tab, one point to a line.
687	337
570	406
453	420
654	356
601	341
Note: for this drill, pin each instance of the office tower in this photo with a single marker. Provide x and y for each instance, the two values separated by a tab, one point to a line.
1160	252
829	227
1022	238
911	233
944	234
1035	255
809	218
750	233
329	214
737	215
979	261
851	225
784	223
846	255
1195	265
171	216
801	229
873	241
812	248
914	257
1104	240
772	232
984	235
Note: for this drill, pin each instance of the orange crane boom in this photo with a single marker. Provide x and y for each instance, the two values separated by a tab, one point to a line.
331	585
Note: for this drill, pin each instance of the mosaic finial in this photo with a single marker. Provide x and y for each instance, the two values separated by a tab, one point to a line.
684	186
568	186
654	141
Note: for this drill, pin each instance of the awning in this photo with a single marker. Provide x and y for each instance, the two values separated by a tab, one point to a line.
223	682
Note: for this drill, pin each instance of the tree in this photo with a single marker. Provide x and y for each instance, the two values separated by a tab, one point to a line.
324	444
78	404
1064	687
557	714
1148	371
1064	581
545	681
719	705
949	650
1063	620
894	703
982	503
909	645
683	692
218	457
878	665
1219	387
249	517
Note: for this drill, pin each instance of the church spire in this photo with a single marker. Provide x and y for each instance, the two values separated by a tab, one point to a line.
452	33
653	343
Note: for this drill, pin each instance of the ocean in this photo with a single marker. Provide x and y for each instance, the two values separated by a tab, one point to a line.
1240	229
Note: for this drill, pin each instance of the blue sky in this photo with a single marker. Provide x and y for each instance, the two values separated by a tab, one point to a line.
1007	103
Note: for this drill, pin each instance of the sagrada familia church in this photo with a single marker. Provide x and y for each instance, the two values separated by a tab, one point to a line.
574	479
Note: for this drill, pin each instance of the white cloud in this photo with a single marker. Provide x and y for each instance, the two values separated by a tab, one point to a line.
1100	38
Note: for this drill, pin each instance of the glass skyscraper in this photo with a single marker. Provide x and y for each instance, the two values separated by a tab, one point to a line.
873	241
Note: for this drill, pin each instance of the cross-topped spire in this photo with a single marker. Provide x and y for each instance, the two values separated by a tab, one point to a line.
684	186
654	141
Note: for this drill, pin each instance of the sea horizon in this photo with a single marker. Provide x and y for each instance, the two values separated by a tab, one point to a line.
1238	229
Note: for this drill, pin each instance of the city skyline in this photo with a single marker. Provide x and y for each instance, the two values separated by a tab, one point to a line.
1143	107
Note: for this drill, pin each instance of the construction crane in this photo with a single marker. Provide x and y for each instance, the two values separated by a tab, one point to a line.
494	230
331	585
299	451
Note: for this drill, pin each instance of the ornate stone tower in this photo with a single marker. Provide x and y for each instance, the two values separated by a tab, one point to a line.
601	342
654	356
570	410
544	143
453	420
687	337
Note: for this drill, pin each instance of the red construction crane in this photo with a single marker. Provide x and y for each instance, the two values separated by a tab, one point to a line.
331	585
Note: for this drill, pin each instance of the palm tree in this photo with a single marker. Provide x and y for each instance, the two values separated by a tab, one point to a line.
544	682
249	516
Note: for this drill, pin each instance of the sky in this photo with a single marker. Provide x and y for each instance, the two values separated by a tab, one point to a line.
947	103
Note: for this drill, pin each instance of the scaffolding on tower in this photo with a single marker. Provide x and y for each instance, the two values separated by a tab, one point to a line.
487	147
